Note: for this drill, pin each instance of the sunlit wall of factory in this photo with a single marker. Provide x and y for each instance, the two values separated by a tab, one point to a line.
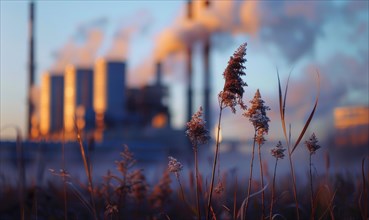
45	104
69	98
85	116
51	103
78	98
109	92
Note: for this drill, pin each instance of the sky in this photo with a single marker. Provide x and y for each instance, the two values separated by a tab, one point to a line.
301	37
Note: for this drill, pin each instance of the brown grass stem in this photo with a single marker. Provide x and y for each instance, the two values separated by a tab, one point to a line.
235	200
282	108
88	171
215	160
250	178
311	189
329	208
197	184
363	210
180	187
273	190
293	183
262	183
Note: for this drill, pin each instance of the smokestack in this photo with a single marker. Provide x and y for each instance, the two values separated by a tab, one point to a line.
158	74
189	10
207	80
207	77
189	85
189	67
207	3
31	67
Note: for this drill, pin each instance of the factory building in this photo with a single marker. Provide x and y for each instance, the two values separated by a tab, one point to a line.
51	103
78	99
99	102
352	126
147	106
109	93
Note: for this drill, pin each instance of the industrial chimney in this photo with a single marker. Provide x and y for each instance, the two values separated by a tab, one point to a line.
31	68
159	80
189	67
207	77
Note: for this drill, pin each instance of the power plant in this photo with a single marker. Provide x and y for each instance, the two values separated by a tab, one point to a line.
96	100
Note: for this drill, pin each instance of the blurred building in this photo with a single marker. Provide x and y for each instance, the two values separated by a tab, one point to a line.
110	93
99	102
78	99
147	106
52	104
352	126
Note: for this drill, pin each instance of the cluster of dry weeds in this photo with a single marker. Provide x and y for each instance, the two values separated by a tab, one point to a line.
129	195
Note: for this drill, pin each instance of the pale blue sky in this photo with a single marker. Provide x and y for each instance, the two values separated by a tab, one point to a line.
302	35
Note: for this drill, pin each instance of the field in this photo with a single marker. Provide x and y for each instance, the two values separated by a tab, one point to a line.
197	191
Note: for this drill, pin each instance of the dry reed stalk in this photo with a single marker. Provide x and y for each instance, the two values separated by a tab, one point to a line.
230	96
215	162
327	166
282	107
262	184
259	119
312	146
87	170
197	186
174	166
198	134
364	194
250	177
81	198
329	208
181	189
278	153
273	191
235	200
311	189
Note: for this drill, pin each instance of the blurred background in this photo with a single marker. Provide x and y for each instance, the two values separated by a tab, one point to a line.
133	72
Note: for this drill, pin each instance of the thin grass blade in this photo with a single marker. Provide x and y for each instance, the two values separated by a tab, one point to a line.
310	117
281	107
241	212
329	208
80	197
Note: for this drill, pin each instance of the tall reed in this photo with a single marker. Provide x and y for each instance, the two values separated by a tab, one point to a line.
198	134
231	96
278	153
257	116
282	108
87	166
174	166
312	146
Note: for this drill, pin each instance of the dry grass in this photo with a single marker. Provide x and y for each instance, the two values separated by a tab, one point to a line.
128	195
